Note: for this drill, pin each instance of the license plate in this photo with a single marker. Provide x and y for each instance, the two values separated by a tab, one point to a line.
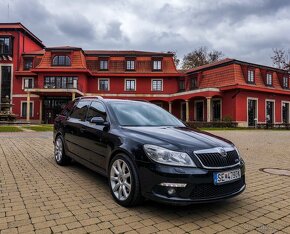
226	177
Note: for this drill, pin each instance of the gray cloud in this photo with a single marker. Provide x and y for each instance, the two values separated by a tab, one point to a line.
246	30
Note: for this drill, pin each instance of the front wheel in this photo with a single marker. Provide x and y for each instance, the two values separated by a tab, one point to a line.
59	154
124	181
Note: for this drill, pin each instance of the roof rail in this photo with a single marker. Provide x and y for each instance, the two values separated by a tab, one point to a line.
83	97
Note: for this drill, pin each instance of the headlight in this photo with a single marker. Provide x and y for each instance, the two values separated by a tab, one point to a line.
240	157
169	157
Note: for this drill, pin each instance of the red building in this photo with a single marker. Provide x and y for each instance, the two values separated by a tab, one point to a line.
47	77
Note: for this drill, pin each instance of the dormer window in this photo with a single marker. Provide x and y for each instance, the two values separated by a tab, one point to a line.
104	64
130	65
157	65
269	79
251	76
285	82
27	63
5	46
61	60
193	83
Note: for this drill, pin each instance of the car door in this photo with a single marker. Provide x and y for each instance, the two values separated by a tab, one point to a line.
96	136
74	129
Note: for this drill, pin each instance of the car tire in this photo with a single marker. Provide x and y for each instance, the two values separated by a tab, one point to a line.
125	187
59	153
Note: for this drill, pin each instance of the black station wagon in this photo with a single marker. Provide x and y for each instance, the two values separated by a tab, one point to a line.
145	152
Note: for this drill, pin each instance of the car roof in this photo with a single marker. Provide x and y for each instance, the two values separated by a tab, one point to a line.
98	98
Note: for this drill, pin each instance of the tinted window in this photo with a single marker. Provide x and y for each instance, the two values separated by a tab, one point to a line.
80	110
96	110
67	108
143	114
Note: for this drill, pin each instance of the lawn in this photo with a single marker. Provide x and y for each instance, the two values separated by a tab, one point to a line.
40	128
10	129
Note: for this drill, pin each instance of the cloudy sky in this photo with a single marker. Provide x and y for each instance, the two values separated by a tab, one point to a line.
242	29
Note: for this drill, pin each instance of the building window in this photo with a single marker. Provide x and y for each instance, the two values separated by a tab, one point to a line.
103	64
130	85
24	109
251	76
61	60
216	110
61	82
181	85
104	85
269	79
28	64
130	65
285	82
193	83
157	65
157	85
285	112
5	46
28	83
270	112
6	81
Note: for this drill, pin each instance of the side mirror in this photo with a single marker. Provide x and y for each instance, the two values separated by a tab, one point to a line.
99	121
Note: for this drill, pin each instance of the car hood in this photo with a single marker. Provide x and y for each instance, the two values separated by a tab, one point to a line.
176	138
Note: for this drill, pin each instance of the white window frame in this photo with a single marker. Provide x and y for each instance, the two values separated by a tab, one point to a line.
269	76
157	89
158	68
21	112
26	78
107	62
282	111
287	80
274	111
130	61
11	83
99	79
125	86
250	79
257	109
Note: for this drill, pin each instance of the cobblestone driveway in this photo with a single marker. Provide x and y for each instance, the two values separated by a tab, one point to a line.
38	196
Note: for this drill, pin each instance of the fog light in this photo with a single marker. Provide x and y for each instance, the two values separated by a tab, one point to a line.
171	191
174	185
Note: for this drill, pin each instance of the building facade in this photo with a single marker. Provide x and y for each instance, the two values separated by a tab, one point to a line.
39	80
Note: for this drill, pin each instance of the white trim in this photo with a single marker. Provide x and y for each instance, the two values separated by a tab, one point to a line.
99	79
197	101
21	102
152	85
152	95
24	95
274	112
125	84
282	110
257	109
221	108
23	80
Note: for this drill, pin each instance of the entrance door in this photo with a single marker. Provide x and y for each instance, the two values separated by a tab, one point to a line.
199	110
270	112
285	112
183	111
216	110
52	106
252	112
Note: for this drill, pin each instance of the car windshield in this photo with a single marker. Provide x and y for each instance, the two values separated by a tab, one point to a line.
143	114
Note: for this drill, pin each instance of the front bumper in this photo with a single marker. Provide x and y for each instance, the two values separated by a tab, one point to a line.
200	187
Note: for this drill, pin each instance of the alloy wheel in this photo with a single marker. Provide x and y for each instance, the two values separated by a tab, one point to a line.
58	149
120	179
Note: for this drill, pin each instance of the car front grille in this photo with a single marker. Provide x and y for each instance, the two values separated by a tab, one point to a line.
202	191
215	159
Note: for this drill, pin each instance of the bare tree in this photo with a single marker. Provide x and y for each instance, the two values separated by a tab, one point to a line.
199	57
281	58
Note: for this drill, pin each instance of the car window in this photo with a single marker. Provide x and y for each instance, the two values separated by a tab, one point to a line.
143	114
80	110
96	109
66	109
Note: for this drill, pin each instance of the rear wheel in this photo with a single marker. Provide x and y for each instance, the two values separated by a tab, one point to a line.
59	154
124	181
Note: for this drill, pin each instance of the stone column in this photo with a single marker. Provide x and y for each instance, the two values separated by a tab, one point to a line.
187	110
73	96
170	107
208	108
28	107
40	110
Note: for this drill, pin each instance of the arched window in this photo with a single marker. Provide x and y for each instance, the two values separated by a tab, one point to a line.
61	60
